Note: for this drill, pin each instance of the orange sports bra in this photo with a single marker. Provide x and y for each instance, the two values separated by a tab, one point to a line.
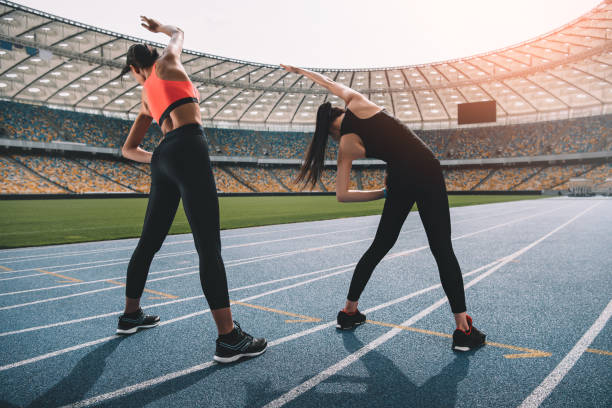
163	96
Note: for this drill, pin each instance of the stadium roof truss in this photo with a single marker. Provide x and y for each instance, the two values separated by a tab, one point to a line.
49	60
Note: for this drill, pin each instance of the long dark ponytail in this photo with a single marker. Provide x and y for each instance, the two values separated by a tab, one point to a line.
314	161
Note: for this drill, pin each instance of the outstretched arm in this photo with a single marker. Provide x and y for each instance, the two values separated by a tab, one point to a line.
175	46
340	90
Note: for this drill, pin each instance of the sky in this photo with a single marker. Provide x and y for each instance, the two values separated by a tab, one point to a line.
332	33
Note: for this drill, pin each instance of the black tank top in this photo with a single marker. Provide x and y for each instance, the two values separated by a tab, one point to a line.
409	159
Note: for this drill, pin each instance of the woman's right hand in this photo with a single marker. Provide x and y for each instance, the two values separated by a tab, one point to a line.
290	68
150	24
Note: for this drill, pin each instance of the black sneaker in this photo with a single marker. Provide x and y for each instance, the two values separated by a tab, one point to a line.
237	344
347	321
131	322
466	341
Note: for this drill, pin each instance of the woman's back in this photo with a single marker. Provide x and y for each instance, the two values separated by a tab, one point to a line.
386	138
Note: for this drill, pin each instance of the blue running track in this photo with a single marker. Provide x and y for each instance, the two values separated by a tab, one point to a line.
538	278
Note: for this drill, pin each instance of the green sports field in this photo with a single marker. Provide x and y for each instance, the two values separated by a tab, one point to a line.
44	222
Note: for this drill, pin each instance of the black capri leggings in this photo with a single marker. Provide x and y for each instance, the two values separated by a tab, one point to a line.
432	202
180	168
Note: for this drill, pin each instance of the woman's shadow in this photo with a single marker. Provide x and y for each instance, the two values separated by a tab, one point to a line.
81	379
387	386
384	385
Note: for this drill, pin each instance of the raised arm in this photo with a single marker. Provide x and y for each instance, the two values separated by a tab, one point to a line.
175	46
131	148
348	152
340	90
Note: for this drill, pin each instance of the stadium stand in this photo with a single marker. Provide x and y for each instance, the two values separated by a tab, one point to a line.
37	123
553	177
506	178
69	174
599	174
120	172
17	179
328	178
227	183
258	178
29	122
287	176
465	179
372	179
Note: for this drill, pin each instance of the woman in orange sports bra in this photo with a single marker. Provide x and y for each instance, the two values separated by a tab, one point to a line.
180	168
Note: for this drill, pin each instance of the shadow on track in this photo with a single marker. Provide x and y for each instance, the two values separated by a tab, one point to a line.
384	386
80	380
388	386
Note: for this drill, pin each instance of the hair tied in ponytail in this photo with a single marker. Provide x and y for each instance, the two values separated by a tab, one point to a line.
311	170
140	56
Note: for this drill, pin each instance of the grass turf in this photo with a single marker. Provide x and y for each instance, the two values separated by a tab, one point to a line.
45	222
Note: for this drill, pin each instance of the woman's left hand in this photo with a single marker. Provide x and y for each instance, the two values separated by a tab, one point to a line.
150	24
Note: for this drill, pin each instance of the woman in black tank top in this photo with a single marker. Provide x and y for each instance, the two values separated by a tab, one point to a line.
414	174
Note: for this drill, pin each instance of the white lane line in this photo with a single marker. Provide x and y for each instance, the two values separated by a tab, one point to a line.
402	253
100	264
67	285
176	319
237	262
171	302
137	387
132	246
349	268
365	239
149	383
542	391
224	234
96	264
353	357
234	262
188	241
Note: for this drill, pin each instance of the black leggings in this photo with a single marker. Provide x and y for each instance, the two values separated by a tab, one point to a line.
180	168
432	202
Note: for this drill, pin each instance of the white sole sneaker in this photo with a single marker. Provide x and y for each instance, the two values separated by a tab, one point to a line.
135	329
225	360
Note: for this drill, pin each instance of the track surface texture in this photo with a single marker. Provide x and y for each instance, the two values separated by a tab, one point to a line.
538	277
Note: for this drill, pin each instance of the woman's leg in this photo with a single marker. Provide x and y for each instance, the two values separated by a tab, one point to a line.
199	194
432	202
396	209
161	209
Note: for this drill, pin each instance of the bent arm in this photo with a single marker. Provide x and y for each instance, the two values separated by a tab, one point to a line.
340	90
131	148
343	176
175	46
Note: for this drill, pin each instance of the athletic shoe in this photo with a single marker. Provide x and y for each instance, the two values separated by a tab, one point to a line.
131	322
346	321
466	341
237	344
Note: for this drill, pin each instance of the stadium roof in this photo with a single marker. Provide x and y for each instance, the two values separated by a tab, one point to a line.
45	59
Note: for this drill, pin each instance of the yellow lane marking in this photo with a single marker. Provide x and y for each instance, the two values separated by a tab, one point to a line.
300	318
57	275
4	268
527	353
165	295
596	351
